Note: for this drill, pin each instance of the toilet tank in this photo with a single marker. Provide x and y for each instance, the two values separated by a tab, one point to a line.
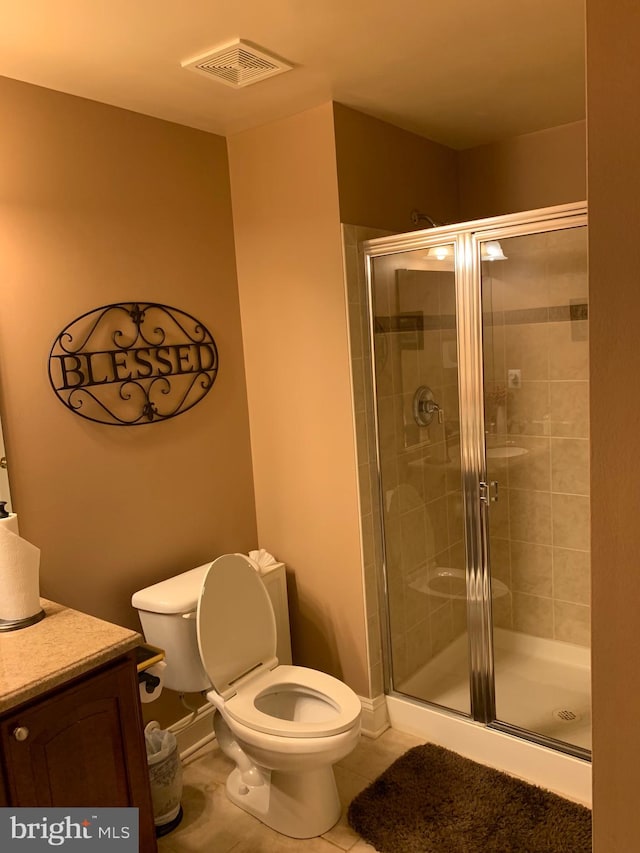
167	613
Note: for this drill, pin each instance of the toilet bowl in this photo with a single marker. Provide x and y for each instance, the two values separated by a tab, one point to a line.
283	726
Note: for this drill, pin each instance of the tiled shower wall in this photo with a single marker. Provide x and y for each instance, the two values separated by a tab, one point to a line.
535	308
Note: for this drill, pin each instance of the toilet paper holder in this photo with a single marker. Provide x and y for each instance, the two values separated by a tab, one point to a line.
146	657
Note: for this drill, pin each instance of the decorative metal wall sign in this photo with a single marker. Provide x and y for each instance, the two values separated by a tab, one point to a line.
133	363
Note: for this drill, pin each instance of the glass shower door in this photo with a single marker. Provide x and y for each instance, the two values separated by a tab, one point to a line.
536	394
479	336
414	337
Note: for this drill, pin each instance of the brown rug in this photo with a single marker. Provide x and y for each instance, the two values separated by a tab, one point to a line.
432	800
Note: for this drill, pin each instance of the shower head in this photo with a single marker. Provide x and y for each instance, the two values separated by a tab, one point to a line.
417	218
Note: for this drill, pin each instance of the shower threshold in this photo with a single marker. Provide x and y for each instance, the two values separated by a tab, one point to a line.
542	686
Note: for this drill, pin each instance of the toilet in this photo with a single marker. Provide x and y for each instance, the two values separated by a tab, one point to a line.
283	726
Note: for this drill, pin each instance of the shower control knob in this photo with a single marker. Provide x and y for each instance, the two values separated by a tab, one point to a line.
21	733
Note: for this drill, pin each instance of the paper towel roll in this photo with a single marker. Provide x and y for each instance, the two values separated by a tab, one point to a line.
158	671
19	574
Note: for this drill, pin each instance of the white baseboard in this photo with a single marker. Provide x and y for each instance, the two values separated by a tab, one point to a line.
375	716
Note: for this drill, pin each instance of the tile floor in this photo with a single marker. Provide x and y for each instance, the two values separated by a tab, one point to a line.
212	823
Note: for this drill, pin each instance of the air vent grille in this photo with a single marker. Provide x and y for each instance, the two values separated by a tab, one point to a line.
238	64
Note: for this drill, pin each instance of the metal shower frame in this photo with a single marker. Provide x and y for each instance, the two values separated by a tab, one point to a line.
466	239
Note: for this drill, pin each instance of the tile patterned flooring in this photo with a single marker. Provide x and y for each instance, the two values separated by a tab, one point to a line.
213	823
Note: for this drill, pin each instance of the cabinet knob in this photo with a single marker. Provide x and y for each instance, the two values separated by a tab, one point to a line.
21	733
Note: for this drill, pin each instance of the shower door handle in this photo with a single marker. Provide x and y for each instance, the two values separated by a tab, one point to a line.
489	492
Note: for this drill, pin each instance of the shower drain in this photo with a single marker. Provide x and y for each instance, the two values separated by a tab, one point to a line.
566	715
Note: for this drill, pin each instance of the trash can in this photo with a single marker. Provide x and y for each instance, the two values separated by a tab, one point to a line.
165	776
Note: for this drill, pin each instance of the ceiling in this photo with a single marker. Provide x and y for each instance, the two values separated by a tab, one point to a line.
460	72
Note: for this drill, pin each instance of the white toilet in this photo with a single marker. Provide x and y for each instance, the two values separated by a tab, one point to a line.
283	726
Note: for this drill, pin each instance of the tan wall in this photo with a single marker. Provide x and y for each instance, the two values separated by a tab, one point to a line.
384	173
290	276
613	69
523	173
99	205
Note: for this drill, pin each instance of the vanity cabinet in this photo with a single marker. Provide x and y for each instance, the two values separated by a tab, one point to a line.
81	744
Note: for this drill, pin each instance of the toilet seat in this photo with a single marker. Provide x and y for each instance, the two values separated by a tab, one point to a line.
236	631
336	706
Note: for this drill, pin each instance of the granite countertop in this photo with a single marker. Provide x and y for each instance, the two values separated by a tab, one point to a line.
63	645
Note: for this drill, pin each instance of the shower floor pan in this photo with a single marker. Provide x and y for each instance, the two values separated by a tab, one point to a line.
542	686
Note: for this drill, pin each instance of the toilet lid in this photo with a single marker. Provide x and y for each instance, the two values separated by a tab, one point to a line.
235	622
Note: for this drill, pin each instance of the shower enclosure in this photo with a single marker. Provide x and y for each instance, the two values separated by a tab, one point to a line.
479	399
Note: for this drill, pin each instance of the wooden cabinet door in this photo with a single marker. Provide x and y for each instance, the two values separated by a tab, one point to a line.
81	746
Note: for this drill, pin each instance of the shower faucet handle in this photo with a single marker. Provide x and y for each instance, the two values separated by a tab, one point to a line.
425	407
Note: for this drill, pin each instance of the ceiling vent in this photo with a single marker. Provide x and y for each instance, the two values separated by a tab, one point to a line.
237	64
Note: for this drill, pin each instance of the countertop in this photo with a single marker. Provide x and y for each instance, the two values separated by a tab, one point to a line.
63	645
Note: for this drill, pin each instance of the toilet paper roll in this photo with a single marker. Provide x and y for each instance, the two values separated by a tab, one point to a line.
19	575
10	523
157	670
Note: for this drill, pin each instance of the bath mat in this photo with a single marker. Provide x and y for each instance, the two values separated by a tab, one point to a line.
432	800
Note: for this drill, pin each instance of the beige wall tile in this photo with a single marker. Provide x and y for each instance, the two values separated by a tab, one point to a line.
501	560
572	623
499	516
569	285
417	605
571	521
374	639
569	408
528	409
393	540
532	470
371	589
410	472
502	611
368	539
383	364
570	465
441	628
434	472
527	349
430	369
418	643
459	617
533	615
530	516
437	530
359	398
494	361
386	426
455	517
414	543
571	575
531	568
377	679
568	358
399	658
